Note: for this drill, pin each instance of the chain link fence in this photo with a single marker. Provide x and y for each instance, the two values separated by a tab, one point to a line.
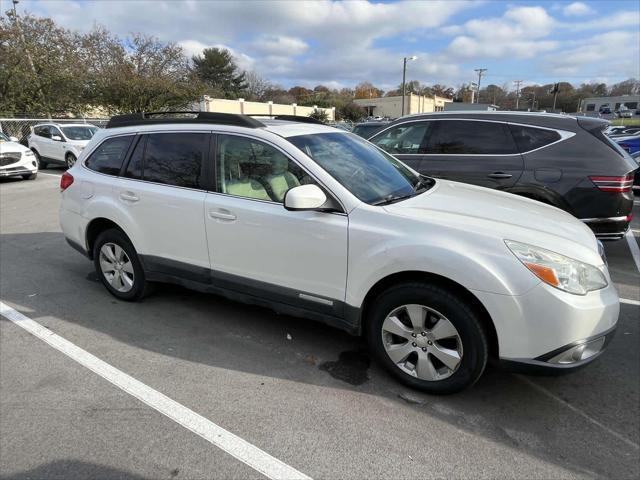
22	127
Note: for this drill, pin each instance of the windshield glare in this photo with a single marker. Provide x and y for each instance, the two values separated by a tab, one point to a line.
366	171
79	133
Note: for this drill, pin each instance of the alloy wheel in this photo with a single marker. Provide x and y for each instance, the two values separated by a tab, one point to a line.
116	267
422	342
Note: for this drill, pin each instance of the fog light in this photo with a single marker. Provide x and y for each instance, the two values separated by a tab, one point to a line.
580	352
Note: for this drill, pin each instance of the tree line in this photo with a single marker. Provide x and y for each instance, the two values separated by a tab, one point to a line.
49	70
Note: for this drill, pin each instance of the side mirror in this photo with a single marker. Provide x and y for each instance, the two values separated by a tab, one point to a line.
304	197
14	139
57	138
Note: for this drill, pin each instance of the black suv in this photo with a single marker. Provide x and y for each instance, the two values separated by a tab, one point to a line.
561	160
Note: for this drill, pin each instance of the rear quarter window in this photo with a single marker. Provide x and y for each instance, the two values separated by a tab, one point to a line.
108	157
531	138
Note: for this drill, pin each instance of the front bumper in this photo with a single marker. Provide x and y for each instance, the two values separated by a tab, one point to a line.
17	171
538	327
564	359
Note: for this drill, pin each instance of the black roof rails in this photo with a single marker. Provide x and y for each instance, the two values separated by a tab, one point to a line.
291	118
154	118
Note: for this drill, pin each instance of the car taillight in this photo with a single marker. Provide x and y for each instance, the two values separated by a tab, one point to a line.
65	181
614	184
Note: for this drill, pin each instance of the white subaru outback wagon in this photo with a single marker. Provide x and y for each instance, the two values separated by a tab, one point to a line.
316	222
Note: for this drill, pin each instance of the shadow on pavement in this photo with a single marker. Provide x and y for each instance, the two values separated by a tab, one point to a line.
212	331
68	469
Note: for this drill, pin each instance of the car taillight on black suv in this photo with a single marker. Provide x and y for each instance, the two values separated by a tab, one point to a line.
617	184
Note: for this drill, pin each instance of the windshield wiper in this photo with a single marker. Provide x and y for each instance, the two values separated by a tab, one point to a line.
392	199
423	181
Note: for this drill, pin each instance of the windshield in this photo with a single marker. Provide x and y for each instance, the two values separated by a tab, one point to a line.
4	138
365	131
372	175
79	133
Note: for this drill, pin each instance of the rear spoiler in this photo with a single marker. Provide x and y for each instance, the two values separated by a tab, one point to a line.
592	125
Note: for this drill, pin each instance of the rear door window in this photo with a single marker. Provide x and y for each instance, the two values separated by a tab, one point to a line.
530	138
108	157
170	158
470	137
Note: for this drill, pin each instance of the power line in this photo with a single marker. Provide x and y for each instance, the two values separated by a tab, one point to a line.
480	73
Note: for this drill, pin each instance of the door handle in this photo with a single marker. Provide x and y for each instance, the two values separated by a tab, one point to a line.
222	214
129	197
499	175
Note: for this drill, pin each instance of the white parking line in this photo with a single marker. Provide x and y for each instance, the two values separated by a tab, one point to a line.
629	301
633	246
49	174
244	451
577	411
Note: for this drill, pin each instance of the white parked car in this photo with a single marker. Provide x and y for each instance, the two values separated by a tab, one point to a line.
16	160
60	144
315	222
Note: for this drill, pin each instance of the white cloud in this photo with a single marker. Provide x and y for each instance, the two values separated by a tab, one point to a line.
622	19
517	34
612	53
577	9
279	45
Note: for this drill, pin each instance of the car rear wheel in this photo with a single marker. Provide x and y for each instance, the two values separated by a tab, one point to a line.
117	264
428	337
70	160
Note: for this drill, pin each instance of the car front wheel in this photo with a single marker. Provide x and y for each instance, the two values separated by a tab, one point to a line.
428	337
118	266
41	163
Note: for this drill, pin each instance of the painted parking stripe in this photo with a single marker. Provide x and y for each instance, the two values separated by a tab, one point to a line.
244	451
629	301
633	246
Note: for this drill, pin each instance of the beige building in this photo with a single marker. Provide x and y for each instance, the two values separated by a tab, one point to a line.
391	107
220	105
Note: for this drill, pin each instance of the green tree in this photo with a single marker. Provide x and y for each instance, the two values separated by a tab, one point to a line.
350	111
41	69
143	74
320	115
217	69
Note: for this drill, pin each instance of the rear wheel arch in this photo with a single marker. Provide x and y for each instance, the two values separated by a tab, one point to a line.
434	279
96	227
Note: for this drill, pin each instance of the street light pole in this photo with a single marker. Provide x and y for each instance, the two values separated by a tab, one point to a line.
404	77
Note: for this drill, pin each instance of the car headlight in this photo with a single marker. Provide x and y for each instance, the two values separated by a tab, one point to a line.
28	153
557	270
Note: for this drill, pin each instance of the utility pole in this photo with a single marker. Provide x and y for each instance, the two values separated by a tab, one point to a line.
556	89
480	73
518	83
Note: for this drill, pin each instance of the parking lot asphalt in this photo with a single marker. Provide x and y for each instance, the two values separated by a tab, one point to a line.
303	392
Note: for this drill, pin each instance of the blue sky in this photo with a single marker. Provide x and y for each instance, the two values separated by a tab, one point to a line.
342	43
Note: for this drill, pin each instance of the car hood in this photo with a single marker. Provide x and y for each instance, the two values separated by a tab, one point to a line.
488	212
6	147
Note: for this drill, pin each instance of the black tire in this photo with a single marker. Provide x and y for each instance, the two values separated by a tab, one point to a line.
41	163
475	346
140	285
32	176
70	160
